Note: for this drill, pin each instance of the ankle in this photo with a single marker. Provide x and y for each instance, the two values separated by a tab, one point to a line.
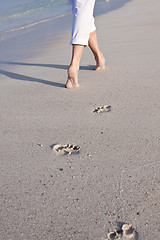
74	66
99	56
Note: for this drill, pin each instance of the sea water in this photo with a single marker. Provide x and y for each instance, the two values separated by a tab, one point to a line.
17	14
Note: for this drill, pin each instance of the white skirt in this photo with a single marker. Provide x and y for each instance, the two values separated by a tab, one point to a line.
83	21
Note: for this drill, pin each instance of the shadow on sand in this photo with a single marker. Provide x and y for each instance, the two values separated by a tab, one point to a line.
30	79
57	66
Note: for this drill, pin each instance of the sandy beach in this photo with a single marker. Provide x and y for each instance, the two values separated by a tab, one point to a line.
115	177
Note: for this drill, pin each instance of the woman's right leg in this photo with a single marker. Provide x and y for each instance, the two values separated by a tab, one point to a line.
93	44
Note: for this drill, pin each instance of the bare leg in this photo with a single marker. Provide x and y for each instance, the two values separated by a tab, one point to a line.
72	81
93	44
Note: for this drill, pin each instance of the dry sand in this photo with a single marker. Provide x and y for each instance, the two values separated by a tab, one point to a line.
115	178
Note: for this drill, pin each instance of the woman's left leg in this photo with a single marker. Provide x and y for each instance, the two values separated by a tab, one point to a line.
72	81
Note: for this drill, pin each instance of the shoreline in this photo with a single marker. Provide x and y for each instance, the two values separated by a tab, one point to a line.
107	6
34	24
40	33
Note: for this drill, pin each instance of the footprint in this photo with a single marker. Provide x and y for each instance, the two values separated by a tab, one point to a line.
66	149
113	235
106	108
127	232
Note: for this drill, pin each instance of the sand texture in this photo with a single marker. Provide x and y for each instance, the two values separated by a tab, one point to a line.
110	174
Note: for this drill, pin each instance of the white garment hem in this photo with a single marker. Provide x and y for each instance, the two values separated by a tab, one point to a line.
80	41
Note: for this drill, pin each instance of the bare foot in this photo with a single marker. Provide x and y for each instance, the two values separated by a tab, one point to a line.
100	62
72	81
